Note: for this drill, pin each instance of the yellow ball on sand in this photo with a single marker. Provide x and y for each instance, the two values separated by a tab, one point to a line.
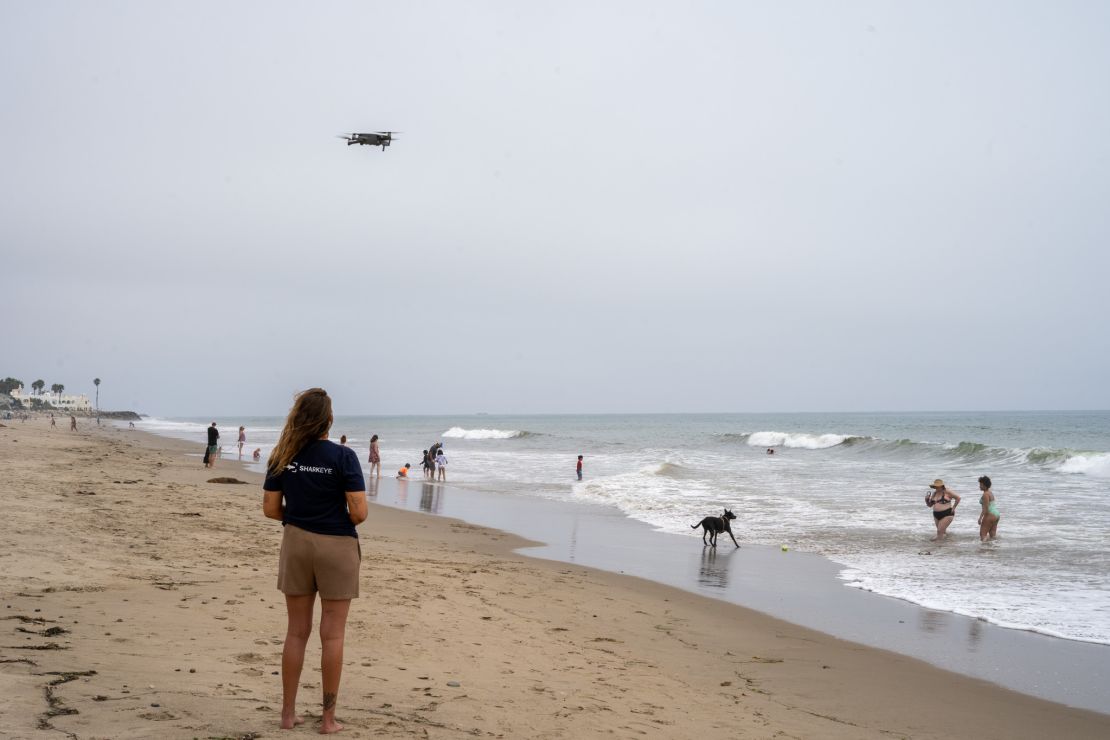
784	548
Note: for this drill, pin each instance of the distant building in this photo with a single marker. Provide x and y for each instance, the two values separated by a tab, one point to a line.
61	402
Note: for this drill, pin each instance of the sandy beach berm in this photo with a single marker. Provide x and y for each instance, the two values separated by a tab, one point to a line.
139	601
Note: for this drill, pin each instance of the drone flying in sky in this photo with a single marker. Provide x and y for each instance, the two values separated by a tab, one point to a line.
378	138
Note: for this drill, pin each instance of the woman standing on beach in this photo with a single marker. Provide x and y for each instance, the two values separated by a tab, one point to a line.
315	487
989	516
242	440
375	458
943	501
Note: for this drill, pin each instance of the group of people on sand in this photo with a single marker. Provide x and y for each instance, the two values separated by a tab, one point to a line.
54	423
943	501
213	451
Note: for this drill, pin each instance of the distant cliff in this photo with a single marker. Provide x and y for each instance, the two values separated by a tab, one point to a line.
125	415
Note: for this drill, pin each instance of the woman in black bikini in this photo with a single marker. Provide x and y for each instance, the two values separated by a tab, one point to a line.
943	501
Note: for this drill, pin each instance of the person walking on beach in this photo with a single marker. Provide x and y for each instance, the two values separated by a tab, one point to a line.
989	516
242	440
316	489
52	422
213	446
441	465
73	423
943	501
578	468
429	465
375	457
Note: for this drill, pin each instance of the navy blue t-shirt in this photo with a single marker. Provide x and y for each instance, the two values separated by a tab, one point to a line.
315	485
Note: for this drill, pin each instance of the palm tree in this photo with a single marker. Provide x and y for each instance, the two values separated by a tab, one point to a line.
96	382
57	388
38	385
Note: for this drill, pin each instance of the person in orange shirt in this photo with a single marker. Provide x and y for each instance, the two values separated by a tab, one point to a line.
403	473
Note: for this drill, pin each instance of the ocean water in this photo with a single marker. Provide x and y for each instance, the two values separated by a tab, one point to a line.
846	486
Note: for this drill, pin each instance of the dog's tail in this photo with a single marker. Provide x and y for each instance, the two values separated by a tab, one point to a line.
695	526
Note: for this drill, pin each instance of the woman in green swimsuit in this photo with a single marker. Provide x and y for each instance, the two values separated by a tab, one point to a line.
988	518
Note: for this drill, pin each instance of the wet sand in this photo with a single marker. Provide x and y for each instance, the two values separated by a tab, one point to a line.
139	601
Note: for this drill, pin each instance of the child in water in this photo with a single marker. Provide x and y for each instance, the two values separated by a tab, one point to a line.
403	473
441	464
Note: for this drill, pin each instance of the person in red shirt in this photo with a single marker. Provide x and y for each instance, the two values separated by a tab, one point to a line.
578	468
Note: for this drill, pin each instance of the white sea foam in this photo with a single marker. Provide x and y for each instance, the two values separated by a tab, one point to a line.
1093	465
804	441
648	494
170	427
460	433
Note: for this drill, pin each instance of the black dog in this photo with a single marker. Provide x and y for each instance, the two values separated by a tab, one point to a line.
714	525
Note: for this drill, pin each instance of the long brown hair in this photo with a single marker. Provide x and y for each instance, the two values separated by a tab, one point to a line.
308	420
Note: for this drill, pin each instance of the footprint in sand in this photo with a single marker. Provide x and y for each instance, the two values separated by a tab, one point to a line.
251	658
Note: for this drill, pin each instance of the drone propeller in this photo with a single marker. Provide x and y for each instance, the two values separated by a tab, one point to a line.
388	133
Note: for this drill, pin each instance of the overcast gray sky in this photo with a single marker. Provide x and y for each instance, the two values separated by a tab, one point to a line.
594	207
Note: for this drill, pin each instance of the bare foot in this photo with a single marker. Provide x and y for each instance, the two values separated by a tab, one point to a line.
288	722
330	726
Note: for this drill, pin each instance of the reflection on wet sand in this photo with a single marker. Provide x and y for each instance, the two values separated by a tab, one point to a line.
714	568
932	621
573	544
974	634
431	498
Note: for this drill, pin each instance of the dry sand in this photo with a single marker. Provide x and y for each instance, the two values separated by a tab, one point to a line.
138	601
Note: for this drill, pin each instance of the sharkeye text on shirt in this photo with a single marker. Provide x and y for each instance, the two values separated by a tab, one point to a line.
298	468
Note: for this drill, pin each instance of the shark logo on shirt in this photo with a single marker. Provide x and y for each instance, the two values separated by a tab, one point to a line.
291	467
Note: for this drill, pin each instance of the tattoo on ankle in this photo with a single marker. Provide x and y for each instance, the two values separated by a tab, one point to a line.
329	701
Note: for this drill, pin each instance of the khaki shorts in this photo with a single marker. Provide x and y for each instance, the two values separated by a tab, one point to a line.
324	563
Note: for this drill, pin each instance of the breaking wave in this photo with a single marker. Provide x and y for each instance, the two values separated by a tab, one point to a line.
1094	465
460	433
797	440
672	470
1062	460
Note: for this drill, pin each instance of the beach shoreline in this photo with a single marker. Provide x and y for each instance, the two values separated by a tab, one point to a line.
669	471
163	584
782	584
